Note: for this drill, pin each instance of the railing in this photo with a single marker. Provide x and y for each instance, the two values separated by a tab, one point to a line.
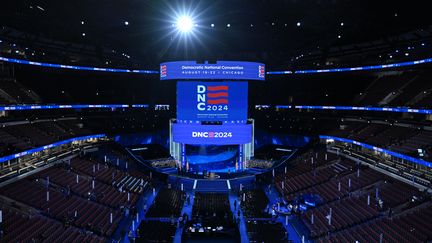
381	150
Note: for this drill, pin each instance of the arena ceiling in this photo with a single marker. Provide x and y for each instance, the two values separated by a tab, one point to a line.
258	29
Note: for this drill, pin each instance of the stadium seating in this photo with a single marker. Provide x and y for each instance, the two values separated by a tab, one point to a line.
20	137
156	231
255	204
402	139
408	227
345	195
73	194
419	141
329	191
309	176
102	193
418	85
19	227
384	86
168	203
212	208
61	206
389	135
266	231
14	92
223	151
345	213
10	144
109	175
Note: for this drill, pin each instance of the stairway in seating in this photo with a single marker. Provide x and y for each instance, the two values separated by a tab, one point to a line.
130	183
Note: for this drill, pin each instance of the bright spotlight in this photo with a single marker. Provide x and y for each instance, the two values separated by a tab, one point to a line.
185	24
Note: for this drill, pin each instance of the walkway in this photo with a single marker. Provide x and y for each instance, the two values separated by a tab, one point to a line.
187	209
147	199
242	225
274	197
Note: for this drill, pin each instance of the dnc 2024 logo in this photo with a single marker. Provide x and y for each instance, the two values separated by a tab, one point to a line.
212	97
212	134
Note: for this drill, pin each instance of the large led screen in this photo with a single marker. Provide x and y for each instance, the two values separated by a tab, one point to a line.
227	70
212	101
212	134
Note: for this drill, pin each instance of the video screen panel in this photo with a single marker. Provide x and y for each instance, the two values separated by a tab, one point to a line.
225	70
212	101
212	134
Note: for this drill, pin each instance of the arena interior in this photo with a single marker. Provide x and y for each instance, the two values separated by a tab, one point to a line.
215	121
